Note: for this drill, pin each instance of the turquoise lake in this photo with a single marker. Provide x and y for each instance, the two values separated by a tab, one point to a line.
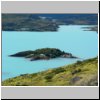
71	38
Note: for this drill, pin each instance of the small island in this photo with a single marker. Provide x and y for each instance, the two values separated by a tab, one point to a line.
91	28
44	53
95	28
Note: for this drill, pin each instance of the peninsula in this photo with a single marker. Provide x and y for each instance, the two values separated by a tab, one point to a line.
45	22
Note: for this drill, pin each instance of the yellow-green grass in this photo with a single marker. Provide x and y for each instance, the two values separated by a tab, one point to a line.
81	73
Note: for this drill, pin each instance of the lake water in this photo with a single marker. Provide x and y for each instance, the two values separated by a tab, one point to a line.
71	38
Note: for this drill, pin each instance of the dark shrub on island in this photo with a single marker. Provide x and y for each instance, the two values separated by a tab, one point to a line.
44	53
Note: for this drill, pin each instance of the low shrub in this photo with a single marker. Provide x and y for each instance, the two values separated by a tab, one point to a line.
49	77
76	71
58	70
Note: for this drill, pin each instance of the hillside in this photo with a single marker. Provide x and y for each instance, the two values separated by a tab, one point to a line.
45	22
81	73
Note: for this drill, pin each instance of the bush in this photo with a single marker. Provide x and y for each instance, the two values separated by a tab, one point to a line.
76	71
79	62
21	84
49	77
58	70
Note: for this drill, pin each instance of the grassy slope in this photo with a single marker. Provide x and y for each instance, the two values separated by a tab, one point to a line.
78	74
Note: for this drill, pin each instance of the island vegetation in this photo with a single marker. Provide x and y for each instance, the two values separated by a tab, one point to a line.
81	73
44	53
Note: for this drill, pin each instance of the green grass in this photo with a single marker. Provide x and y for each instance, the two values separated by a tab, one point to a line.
81	73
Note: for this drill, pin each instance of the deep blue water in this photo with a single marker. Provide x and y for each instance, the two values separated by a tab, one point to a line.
71	38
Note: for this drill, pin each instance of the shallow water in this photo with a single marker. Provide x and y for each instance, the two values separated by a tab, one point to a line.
71	38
